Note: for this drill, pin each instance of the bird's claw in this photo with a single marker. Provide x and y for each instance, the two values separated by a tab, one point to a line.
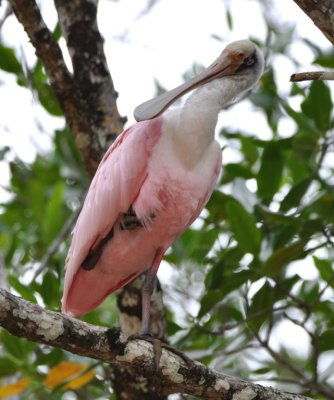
158	345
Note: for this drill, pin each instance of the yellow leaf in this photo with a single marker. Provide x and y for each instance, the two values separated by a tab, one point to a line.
61	372
80	381
14	388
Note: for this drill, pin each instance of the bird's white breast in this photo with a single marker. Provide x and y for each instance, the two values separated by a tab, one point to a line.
174	189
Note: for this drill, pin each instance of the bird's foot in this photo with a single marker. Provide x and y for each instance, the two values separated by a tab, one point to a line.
158	345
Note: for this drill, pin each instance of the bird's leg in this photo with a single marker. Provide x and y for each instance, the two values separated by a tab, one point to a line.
147	293
145	332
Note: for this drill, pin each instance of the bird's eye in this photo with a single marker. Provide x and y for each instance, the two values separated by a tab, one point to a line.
249	61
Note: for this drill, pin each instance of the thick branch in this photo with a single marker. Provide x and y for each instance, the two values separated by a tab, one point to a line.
49	52
91	73
24	319
88	98
321	13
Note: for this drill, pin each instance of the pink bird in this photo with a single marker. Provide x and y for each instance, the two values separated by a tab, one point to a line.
153	183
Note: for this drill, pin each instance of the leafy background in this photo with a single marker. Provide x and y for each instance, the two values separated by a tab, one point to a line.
255	272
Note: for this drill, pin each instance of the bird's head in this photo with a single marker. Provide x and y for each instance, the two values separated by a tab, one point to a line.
240	60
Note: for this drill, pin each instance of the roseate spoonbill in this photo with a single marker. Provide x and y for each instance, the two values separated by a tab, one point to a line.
153	183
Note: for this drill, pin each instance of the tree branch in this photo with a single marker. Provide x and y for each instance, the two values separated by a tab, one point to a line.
322	14
89	115
91	74
25	319
312	76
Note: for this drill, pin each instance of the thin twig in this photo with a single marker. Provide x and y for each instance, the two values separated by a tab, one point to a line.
314	343
228	327
312	76
279	358
296	371
301	304
328	236
323	290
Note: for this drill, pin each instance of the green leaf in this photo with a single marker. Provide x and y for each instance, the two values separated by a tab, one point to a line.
234	281
243	226
325	60
48	99
262	301
16	347
283	256
304	123
270	173
233	170
50	290
309	291
318	105
8	61
324	207
325	340
49	357
249	150
209	300
266	98
295	194
222	275
173	328
57	32
229	19
23	290
284	234
215	206
67	151
54	215
44	91
325	269
7	367
311	226
276	218
193	245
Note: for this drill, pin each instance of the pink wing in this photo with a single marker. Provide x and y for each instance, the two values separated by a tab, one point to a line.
113	189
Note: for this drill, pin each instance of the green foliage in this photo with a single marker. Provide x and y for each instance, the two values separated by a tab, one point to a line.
257	273
256	263
243	226
318	105
270	174
44	91
8	61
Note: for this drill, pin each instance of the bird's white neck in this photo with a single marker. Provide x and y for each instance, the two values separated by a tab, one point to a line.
195	122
